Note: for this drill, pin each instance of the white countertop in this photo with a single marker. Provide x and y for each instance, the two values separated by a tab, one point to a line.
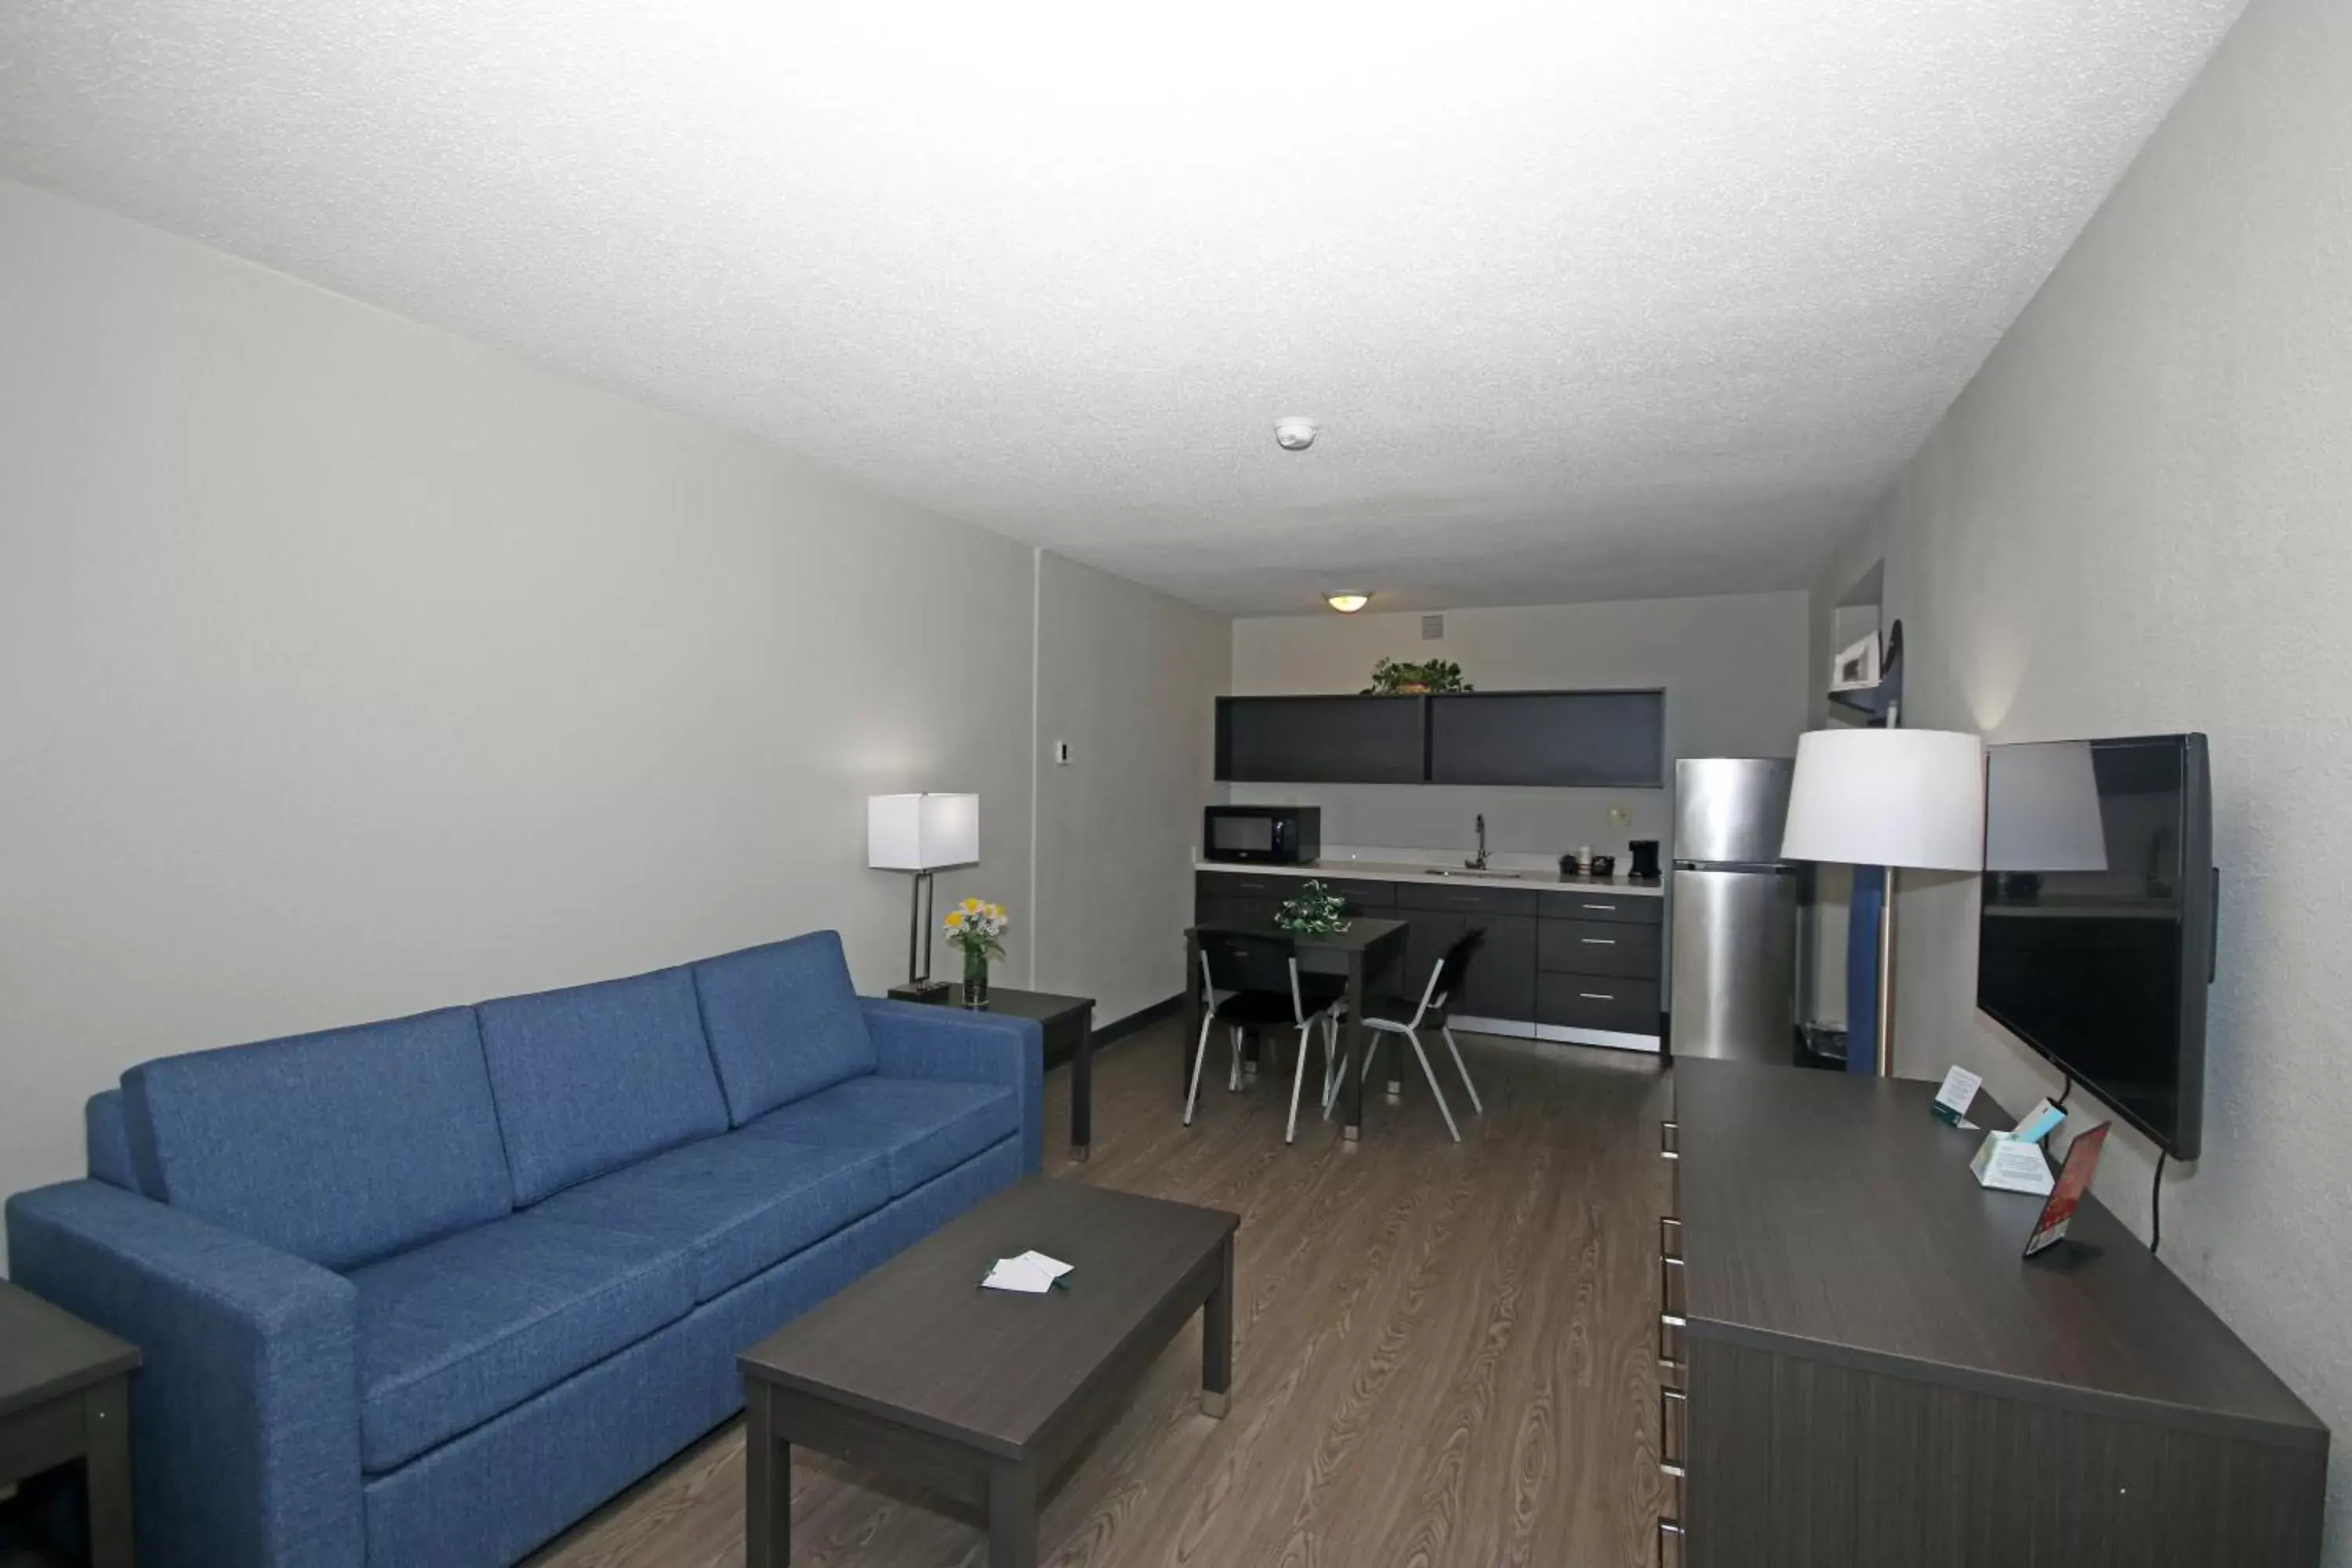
1542	881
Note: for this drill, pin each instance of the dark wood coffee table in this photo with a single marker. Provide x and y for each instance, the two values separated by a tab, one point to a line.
977	1394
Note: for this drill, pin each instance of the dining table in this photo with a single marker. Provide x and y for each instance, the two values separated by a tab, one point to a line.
1363	950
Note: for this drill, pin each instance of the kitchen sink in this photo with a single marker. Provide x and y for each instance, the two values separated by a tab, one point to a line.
1491	875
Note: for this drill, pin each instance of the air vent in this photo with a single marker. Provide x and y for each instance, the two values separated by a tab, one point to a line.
1433	628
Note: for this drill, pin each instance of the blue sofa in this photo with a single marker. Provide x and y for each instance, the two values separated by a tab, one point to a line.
428	1291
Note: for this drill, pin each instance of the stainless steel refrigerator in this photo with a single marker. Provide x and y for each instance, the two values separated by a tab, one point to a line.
1734	989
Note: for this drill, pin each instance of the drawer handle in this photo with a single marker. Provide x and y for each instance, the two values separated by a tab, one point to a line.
1670	1544
1670	1237
1674	1430
1601	906
1597	995
1598	940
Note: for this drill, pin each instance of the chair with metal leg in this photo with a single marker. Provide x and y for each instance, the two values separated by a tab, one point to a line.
1251	982
1388	1017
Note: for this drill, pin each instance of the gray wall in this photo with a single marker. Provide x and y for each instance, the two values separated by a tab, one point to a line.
1733	668
348	668
1129	678
1835	626
2138	518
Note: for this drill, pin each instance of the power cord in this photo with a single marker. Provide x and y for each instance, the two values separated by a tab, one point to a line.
2155	1203
2059	1103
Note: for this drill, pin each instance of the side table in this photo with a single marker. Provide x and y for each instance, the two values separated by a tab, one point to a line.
65	1395
1070	1026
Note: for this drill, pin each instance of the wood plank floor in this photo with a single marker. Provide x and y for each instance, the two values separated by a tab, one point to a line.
1444	1353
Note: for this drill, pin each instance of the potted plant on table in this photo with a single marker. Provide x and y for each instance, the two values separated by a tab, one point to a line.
979	929
1316	912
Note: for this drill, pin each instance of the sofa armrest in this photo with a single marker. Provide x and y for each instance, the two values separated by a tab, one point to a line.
244	1411
915	1041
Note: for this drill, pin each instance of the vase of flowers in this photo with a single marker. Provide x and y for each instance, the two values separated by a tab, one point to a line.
978	929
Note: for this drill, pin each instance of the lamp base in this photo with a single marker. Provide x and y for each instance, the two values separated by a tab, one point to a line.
932	993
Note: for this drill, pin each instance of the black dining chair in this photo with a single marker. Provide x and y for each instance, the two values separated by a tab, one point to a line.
1389	1015
1251	982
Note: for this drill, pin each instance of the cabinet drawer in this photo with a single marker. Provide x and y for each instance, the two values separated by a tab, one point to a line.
1457	898
1244	885
1598	947
1362	894
1598	1001
1634	909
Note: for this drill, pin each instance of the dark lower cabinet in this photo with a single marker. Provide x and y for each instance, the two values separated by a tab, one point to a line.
1501	983
1612	1003
1859	1369
1570	959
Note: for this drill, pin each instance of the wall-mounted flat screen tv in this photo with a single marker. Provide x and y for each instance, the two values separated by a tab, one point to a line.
2095	940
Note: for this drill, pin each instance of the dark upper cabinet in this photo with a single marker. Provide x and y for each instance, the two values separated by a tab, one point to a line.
1322	740
1614	740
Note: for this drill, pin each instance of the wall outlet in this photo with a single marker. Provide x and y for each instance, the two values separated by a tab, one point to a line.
1061	753
1621	816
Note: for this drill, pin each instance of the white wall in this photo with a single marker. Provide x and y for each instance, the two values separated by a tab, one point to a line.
347	668
1128	678
1733	666
2138	518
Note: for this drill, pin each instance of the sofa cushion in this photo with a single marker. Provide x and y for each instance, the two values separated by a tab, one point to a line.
106	1142
737	1204
783	1022
337	1147
593	1077
467	1327
923	1126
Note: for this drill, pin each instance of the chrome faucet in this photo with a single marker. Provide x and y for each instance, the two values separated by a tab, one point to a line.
1480	863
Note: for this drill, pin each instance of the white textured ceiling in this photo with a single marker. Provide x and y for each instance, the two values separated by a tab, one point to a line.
1592	299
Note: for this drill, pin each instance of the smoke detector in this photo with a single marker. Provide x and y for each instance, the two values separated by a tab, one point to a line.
1295	434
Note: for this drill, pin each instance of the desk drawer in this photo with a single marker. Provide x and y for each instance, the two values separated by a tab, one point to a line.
1598	947
1598	1001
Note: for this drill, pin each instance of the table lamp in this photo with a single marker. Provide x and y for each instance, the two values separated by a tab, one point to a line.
1904	799
922	834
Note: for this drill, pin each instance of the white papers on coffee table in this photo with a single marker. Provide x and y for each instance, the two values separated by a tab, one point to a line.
1031	1274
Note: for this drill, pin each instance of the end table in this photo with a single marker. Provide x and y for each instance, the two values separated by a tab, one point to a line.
1069	1023
65	1395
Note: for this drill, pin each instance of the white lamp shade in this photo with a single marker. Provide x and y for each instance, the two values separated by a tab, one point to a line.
921	832
1910	799
2042	809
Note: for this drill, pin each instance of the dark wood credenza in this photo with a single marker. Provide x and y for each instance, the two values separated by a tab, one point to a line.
1860	1368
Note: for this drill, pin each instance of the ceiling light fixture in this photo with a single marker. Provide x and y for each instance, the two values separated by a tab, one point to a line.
1347	604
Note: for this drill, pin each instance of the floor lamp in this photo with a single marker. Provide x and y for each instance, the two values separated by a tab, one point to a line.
1904	799
923	834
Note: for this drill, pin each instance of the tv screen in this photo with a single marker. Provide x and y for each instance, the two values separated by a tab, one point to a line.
2094	945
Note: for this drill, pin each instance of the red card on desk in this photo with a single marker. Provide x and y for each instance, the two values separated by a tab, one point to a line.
2073	1181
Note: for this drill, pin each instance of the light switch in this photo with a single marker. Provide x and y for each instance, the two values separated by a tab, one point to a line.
1061	753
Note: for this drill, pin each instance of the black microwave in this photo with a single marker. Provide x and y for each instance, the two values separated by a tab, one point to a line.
1272	835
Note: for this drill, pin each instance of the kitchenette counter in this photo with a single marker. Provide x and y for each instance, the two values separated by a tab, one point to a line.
1549	881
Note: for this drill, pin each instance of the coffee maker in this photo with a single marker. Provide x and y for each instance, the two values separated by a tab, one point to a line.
1643	853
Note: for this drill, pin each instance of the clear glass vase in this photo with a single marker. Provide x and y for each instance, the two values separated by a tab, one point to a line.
975	977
